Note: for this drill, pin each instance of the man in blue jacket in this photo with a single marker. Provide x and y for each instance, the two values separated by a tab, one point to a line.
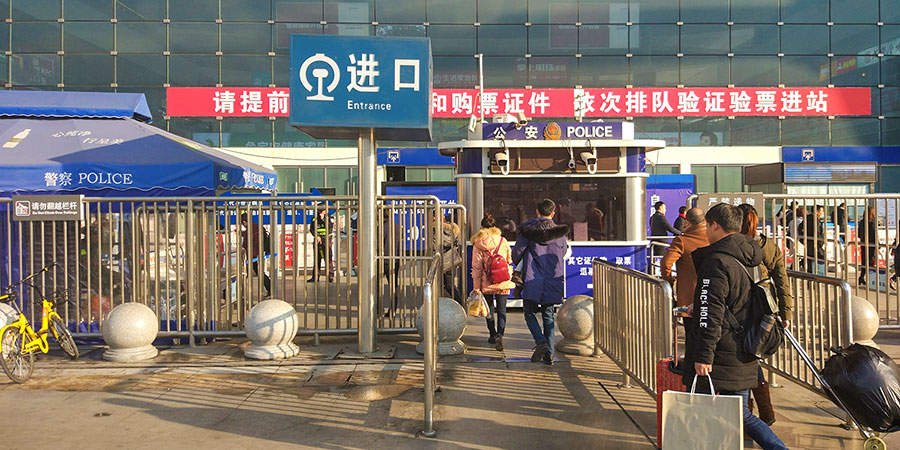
542	245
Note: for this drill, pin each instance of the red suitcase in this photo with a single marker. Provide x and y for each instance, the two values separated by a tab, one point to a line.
668	378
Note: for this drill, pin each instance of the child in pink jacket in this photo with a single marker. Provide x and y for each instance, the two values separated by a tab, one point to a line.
485	243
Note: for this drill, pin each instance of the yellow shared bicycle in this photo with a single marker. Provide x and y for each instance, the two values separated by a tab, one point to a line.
19	341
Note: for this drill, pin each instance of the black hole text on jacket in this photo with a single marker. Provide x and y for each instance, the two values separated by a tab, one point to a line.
704	303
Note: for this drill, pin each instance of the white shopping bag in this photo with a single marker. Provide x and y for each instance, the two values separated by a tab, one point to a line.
701	421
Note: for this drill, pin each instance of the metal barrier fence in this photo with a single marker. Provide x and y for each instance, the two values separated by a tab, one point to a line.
655	251
822	319
632	321
201	263
430	310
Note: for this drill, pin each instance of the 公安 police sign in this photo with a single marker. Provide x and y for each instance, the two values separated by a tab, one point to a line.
341	84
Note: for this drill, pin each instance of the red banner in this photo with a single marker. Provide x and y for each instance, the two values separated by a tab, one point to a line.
634	102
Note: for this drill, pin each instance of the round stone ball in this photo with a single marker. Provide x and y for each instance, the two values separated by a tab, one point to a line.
8	315
451	320
272	323
130	325
576	318
865	320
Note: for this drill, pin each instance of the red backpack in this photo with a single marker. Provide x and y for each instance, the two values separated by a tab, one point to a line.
498	268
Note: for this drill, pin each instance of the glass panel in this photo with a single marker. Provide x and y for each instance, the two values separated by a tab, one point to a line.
193	70
654	71
654	39
606	11
664	169
88	69
244	11
193	37
246	133
853	39
890	71
890	133
552	39
705	70
509	11
657	128
88	37
443	130
353	11
602	39
416	174
804	39
754	70
757	11
515	199
890	101
754	39
804	131
204	10
35	9
704	39
282	70
890	11
705	178
140	9
704	11
349	29
400	30
654	11
4	38
548	11
553	71
854	11
137	37
451	11
805	11
312	177
288	179
505	72
754	131
400	11
458	72
155	101
847	131
253	38
339	179
729	179
205	131
441	174
88	10
4	9
804	70
603	71
845	71
502	40
35	70
35	37
283	32
889	179
246	70
288	136
299	11
705	131
453	39
890	40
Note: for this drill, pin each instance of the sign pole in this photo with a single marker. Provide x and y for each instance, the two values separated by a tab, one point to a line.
366	232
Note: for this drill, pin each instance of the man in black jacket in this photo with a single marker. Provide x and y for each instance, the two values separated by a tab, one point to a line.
660	226
712	348
815	239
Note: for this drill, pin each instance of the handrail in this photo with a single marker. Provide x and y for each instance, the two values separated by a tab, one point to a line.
430	308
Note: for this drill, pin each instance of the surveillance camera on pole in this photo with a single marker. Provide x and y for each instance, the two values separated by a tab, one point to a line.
502	159
590	160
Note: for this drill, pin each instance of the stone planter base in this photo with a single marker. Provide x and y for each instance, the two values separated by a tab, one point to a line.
582	348
445	348
130	354
283	351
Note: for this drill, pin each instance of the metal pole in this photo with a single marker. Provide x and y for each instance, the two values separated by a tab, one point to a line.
366	233
481	85
428	341
189	263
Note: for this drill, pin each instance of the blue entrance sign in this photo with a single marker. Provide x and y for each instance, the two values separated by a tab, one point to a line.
341	84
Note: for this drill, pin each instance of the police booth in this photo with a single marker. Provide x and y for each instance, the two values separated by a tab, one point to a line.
594	171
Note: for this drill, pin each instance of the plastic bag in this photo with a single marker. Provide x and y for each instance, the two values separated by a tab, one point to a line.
477	306
868	382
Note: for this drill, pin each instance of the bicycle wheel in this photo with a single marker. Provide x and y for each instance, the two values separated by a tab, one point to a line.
64	338
17	365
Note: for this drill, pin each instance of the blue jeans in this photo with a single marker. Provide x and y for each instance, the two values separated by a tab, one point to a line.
497	304
547	311
753	426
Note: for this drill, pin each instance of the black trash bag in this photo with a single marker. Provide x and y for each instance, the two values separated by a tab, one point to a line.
868	382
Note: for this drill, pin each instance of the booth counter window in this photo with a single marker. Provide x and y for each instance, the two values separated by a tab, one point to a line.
513	201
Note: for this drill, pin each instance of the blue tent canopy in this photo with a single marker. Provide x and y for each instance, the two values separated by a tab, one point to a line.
96	155
74	104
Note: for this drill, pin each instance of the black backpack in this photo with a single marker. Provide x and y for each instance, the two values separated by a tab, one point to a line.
762	330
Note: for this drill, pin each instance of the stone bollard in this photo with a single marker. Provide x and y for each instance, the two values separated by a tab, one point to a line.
451	326
576	323
271	326
865	321
129	330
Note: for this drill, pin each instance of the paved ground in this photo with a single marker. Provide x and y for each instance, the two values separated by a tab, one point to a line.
212	397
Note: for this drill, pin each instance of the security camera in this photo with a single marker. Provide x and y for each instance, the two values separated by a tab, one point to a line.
502	159
589	158
521	120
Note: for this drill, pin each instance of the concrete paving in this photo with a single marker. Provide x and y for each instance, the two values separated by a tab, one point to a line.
210	396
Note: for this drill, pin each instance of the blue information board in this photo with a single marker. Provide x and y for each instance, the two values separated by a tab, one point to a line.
341	84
